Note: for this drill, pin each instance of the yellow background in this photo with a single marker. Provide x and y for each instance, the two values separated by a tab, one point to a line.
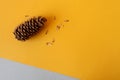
87	47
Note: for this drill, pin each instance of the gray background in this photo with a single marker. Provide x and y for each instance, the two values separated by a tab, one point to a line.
10	70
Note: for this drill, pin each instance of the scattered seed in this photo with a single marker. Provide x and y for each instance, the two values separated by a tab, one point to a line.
46	32
53	40
58	27
66	20
49	43
26	15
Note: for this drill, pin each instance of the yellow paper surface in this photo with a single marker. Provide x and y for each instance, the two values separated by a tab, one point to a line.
87	47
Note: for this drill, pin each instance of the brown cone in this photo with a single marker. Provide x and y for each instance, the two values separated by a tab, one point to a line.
29	28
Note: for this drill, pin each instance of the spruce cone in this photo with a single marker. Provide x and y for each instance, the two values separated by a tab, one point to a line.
29	28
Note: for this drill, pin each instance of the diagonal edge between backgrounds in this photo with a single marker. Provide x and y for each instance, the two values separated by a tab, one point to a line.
10	70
